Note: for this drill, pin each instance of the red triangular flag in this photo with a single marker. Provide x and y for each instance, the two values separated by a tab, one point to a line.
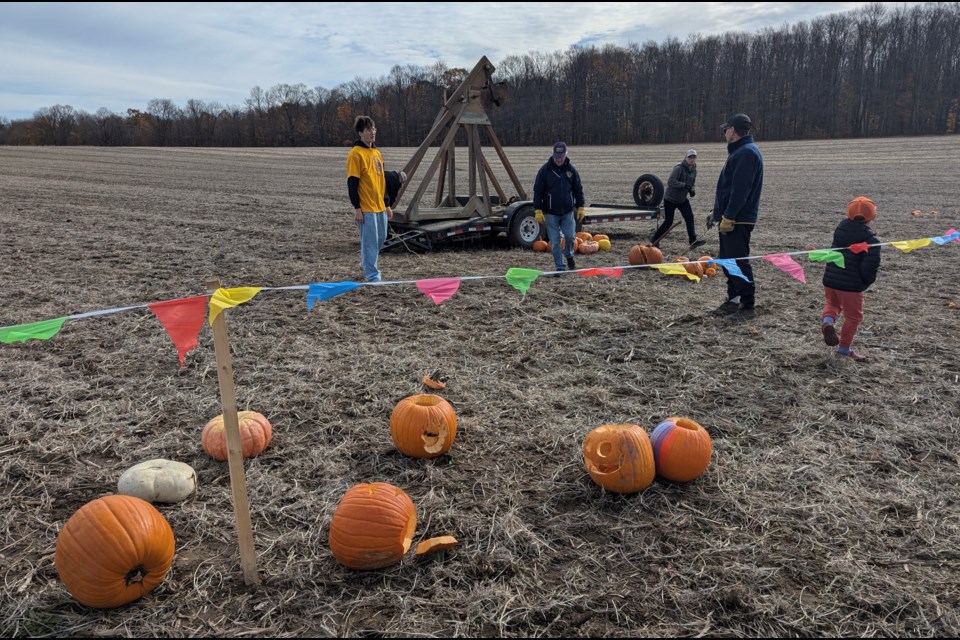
182	318
860	247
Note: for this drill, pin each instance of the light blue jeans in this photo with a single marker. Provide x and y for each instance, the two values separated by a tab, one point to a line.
373	233
556	225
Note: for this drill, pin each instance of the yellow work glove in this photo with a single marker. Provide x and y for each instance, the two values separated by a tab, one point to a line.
726	225
538	216
581	212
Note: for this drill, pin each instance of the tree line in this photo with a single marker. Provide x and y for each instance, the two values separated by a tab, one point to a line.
876	71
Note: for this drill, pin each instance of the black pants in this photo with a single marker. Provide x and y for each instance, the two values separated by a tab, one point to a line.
736	244
685	210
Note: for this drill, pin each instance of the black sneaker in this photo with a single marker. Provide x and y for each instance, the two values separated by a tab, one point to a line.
697	243
571	263
726	309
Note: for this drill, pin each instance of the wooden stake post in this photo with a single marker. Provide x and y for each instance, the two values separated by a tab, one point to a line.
238	483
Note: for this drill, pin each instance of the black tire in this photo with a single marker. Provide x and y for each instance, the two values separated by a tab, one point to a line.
524	228
648	191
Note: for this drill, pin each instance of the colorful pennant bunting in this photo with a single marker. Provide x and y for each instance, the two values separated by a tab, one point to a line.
610	272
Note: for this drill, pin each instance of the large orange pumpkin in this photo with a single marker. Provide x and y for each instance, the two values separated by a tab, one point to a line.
113	550
585	235
681	449
541	245
373	526
644	254
255	435
619	457
423	426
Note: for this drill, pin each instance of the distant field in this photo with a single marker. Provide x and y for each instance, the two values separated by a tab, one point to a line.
831	506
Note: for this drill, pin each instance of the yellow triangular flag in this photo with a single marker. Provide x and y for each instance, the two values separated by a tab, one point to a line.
909	245
675	269
226	298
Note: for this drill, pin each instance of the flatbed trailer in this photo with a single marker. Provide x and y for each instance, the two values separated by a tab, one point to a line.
517	221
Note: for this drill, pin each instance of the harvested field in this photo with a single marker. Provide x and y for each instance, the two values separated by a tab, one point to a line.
831	506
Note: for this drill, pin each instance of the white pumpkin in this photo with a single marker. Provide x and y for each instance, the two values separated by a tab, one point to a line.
158	481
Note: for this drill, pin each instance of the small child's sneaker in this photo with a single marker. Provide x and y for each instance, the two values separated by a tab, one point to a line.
853	355
830	334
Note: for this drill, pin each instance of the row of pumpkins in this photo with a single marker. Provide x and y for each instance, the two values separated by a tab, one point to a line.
116	549
639	254
584	242
649	254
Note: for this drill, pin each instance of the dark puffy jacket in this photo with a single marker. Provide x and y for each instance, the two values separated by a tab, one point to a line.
860	269
682	180
392	179
740	183
557	190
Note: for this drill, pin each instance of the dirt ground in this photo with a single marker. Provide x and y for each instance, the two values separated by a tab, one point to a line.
831	506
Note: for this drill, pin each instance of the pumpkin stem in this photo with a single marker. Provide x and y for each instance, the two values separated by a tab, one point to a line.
137	574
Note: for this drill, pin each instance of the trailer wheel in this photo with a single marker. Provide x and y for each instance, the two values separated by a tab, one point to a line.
524	228
648	191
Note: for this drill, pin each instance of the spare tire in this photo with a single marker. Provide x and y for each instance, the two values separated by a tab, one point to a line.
648	191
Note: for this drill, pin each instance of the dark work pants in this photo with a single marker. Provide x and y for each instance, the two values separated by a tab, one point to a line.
685	210
736	244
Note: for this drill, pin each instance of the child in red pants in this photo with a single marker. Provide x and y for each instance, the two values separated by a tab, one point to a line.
844	286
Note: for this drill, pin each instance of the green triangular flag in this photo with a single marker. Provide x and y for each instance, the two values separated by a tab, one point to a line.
827	255
43	330
522	278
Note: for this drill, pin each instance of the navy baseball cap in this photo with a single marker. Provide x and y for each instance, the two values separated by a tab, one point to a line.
560	150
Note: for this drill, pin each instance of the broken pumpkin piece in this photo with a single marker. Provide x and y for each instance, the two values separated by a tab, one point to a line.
434	384
432	545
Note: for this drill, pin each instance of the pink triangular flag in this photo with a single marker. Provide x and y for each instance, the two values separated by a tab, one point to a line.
788	265
438	289
610	272
182	319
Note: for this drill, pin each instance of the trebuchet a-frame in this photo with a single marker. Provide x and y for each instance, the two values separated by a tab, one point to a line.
463	109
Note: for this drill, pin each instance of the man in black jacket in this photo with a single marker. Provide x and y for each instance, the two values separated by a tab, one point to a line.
556	192
844	286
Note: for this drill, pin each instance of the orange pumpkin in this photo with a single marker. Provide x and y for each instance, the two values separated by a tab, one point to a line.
255	435
585	235
644	254
694	268
373	526
681	449
423	426
600	236
619	457
710	271
113	550
541	245
589	246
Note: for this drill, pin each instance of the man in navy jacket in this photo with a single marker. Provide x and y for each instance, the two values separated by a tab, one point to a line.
557	192
736	209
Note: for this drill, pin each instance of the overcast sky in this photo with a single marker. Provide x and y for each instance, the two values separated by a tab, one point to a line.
121	55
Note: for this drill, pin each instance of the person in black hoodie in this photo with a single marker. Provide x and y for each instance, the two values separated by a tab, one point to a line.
844	286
